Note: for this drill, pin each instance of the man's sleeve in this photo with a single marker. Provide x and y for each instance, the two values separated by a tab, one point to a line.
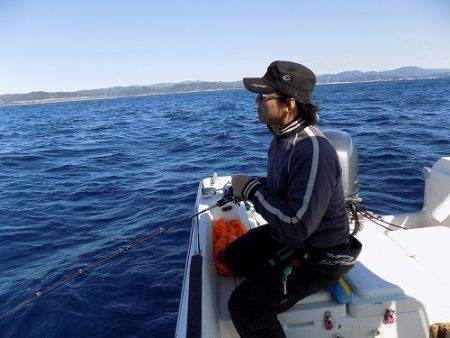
311	183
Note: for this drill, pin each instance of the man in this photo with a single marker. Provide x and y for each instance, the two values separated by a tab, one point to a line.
306	244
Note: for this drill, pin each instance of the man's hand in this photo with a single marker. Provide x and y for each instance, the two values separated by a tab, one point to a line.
238	182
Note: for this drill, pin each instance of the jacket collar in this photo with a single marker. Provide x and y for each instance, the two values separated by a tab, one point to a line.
288	130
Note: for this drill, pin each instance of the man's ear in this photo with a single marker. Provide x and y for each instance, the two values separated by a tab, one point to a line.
291	103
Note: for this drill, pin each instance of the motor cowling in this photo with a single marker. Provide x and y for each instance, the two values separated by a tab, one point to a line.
348	159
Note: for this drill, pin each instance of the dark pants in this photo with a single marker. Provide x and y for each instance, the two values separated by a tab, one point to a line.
255	303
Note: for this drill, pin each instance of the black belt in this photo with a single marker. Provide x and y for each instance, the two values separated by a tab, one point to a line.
350	246
339	247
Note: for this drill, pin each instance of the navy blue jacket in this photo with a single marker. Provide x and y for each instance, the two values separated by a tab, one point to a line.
302	197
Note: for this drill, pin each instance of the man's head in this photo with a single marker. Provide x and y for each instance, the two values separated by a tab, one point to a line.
275	109
284	92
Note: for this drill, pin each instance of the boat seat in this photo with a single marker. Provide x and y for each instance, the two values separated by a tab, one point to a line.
367	284
322	295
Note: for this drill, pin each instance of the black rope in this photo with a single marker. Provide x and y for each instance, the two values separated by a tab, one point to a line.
99	262
373	220
380	219
352	208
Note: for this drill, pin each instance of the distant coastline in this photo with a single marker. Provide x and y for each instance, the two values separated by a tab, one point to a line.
384	80
404	73
94	98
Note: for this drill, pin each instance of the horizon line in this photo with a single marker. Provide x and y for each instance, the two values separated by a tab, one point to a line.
179	82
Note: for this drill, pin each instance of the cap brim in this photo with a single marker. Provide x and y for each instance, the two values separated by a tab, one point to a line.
257	85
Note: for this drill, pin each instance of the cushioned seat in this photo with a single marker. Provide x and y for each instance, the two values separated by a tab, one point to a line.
367	284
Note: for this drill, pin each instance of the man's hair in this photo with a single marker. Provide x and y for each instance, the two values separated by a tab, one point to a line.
307	111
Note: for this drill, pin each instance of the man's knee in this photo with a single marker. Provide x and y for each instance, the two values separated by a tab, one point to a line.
249	319
230	257
235	303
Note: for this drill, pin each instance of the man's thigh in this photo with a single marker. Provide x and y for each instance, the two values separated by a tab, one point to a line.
263	293
248	254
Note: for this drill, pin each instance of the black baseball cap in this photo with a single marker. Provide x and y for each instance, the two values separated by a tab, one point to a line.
286	77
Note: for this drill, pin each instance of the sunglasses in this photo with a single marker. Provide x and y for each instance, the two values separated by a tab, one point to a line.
267	97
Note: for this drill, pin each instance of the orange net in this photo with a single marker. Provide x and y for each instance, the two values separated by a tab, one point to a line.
224	234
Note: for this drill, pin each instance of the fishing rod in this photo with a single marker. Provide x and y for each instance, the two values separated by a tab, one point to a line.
228	197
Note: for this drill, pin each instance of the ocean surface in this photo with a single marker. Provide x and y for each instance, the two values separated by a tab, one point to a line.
80	179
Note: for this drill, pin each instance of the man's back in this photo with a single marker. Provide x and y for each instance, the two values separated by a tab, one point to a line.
303	169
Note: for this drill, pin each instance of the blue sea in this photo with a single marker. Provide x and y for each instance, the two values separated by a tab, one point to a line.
80	179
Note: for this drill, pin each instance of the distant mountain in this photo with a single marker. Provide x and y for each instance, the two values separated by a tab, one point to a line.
396	74
113	92
197	85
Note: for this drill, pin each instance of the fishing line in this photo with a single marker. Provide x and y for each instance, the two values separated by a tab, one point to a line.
228	197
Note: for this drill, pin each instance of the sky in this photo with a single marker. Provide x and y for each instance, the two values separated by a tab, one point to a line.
70	45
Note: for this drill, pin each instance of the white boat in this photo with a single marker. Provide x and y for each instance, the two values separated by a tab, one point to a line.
400	283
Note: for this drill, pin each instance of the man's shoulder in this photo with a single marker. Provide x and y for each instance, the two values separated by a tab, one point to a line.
312	141
312	132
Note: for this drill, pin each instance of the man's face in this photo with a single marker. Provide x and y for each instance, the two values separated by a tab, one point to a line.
269	109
